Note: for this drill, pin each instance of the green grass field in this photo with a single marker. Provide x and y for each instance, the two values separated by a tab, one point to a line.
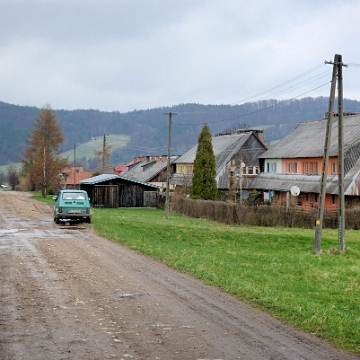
87	149
274	269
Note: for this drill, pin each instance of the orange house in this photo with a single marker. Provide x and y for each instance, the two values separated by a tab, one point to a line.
70	176
297	160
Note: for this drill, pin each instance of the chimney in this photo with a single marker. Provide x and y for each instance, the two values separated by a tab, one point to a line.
260	134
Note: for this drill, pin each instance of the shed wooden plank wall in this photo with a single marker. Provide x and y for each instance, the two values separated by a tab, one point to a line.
106	196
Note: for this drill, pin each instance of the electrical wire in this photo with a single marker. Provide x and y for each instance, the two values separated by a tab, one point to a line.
297	86
256	111
282	84
291	88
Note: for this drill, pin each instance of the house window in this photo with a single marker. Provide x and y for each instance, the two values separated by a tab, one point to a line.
288	166
271	167
311	168
333	167
179	169
316	197
189	169
307	198
333	199
316	168
295	168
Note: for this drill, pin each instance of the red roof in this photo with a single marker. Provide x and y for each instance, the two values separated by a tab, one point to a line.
118	169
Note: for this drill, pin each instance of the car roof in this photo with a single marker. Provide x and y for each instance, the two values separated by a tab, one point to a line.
70	190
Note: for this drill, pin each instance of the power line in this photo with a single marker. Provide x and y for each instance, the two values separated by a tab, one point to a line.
297	86
269	90
277	86
256	111
293	87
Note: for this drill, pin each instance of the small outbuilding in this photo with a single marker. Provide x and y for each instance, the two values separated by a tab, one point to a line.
113	191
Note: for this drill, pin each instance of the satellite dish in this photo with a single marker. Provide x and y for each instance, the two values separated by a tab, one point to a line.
244	194
295	191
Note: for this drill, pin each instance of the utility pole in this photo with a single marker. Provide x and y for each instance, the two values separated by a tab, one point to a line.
341	204
240	185
74	165
44	178
103	155
337	66
167	201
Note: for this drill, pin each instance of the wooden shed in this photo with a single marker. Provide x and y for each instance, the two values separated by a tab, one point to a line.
113	191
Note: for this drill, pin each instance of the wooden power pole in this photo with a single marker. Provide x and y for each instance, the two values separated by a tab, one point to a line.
74	165
103	155
341	204
167	201
337	71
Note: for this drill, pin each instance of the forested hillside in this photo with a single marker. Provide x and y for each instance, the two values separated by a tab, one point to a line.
148	128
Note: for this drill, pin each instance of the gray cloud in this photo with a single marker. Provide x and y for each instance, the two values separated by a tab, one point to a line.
125	55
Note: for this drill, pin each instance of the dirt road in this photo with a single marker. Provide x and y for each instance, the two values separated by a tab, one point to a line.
66	293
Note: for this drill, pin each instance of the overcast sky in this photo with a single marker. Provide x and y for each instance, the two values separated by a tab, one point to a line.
123	55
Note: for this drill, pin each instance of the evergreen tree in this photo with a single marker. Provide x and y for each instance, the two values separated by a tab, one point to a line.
203	183
41	159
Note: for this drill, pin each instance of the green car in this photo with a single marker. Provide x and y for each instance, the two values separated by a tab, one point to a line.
72	205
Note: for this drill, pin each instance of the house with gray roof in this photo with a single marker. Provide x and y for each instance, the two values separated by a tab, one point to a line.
236	157
297	160
150	169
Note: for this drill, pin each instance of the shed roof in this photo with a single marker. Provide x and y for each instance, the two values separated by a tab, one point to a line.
98	178
308	139
108	177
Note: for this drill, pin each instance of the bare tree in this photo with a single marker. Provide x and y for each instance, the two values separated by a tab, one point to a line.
41	160
12	175
2	177
104	155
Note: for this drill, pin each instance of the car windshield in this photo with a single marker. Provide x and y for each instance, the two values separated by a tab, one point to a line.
73	196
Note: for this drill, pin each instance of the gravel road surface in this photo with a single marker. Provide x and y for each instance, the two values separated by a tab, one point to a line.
66	293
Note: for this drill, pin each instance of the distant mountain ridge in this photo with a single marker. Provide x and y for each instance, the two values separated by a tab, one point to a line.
147	129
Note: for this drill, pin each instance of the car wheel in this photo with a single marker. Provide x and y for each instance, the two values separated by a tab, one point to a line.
56	219
88	220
